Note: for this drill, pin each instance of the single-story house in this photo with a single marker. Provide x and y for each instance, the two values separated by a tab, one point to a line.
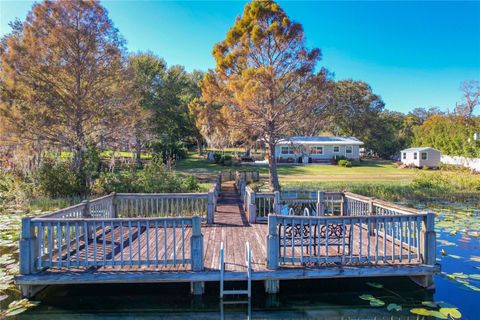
419	157
321	149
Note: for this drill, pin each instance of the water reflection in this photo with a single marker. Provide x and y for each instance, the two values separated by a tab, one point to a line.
312	299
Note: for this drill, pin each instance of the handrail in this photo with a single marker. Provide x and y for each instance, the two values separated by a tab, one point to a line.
403	238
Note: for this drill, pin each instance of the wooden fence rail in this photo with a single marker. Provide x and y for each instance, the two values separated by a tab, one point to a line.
83	243
408	239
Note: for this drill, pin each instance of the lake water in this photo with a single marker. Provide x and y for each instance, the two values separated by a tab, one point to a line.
458	286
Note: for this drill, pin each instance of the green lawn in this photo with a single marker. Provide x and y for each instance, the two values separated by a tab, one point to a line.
367	171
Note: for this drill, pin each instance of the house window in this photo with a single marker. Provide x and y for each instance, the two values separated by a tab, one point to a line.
424	156
404	155
348	149
317	150
415	155
286	150
336	149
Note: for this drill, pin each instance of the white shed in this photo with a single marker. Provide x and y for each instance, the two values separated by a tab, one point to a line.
422	156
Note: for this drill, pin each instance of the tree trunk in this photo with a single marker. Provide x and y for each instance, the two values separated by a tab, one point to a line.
199	147
138	150
272	169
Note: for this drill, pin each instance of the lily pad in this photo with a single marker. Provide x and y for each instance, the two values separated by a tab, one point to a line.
430	304
366	297
426	312
377	303
394	307
375	285
14	311
451	312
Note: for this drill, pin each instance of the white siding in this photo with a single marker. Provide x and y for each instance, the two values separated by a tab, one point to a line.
328	152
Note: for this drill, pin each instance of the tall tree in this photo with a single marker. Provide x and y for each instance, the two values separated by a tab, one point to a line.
148	72
264	75
471	98
61	74
354	108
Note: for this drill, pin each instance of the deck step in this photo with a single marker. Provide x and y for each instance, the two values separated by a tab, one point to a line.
225	292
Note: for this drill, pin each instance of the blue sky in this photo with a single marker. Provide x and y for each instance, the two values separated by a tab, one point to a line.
413	54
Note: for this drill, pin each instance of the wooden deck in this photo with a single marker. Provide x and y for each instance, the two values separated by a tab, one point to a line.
147	247
230	227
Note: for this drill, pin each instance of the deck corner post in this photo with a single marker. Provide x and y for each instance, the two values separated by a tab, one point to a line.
276	202
320	203
371	212
272	244
429	246
86	209
27	247
114	213
196	244
344	205
272	287
252	208
210	207
197	288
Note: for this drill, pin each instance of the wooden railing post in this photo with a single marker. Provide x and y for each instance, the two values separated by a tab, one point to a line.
344	205
196	244
114	212
210	207
428	247
276	202
252	207
27	247
371	212
320	203
89	233
272	243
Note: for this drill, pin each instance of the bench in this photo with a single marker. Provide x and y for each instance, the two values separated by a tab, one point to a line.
300	235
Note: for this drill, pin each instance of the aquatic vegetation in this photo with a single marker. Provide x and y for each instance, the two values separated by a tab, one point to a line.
444	310
18	306
394	307
374	302
375	285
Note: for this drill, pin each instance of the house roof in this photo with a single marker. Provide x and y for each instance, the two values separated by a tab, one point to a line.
419	149
326	140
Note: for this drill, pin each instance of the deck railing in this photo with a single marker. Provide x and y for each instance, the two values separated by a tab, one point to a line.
93	242
330	240
382	232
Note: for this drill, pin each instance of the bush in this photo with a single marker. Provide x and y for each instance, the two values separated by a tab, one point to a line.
217	157
154	178
338	158
344	163
226	160
14	190
122	181
55	178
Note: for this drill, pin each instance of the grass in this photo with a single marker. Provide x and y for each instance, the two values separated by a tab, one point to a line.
367	171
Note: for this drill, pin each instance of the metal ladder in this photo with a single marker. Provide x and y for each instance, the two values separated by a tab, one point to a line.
248	262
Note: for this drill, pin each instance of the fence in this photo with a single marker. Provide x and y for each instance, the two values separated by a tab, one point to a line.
472	163
93	242
259	205
352	240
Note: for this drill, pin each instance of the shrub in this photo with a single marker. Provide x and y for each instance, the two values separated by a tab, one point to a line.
338	158
55	178
226	160
344	163
122	181
154	178
217	157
